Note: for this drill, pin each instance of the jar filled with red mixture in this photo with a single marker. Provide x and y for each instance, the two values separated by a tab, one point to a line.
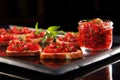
95	34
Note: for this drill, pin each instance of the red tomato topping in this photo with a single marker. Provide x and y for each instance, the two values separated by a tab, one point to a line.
3	31
6	37
59	48
95	34
69	37
34	35
22	30
17	45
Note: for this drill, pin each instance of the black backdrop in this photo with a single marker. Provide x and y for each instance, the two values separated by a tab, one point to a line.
68	13
65	13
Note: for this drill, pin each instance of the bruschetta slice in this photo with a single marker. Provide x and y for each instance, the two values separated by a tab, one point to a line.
22	48
61	51
68	38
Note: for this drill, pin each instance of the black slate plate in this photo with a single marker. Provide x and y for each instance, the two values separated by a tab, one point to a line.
34	69
65	69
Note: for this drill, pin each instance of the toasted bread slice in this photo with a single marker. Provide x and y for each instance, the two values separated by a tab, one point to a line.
66	55
60	42
24	53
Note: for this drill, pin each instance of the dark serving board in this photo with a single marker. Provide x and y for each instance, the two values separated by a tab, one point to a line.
33	68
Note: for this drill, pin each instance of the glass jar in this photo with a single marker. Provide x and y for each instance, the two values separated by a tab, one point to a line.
95	34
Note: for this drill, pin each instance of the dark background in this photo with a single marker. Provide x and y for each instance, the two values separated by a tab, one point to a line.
64	13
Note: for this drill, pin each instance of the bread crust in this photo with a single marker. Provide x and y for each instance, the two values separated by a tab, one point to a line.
39	40
36	40
24	53
66	55
21	36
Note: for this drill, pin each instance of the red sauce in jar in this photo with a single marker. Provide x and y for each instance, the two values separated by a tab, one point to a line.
95	34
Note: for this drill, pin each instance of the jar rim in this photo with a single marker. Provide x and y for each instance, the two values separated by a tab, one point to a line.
110	23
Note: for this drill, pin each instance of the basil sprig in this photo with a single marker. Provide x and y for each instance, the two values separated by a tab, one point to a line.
36	28
53	28
51	32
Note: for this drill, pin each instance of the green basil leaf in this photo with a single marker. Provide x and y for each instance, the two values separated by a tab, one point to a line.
54	33
61	32
36	27
53	28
